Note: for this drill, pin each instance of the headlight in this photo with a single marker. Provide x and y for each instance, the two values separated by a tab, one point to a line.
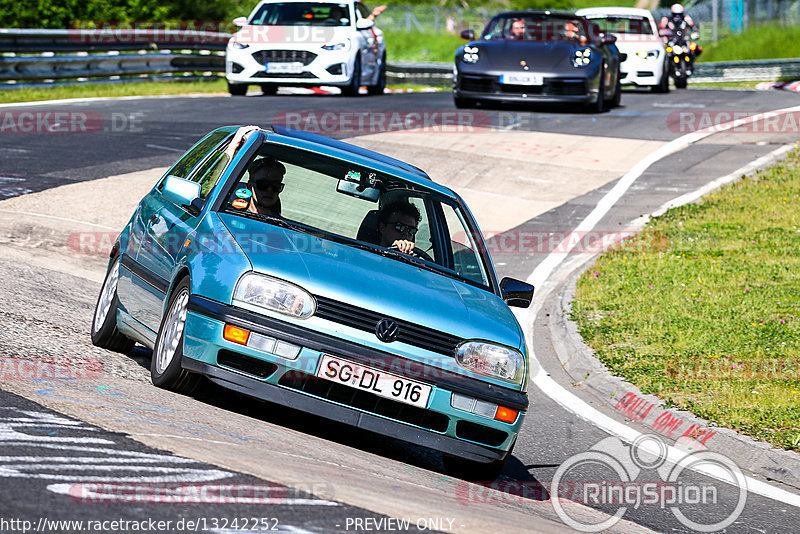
647	54
275	295
237	45
582	57
677	49
345	45
491	360
470	54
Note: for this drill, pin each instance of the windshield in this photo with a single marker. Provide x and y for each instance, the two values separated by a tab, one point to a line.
624	25
302	14
521	27
360	207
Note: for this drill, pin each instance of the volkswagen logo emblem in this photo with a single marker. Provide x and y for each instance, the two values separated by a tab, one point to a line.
386	330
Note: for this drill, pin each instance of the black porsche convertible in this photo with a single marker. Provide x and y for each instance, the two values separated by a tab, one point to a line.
538	56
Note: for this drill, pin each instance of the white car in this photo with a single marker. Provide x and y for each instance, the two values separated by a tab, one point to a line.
643	58
306	43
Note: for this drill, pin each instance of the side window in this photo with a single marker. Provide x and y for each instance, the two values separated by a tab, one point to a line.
423	237
208	175
196	154
466	259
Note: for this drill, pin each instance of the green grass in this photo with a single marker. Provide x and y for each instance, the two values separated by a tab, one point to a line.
422	47
701	308
771	41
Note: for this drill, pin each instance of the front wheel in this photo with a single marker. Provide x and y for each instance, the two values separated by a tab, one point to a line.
104	324
599	105
237	89
380	85
617	100
680	76
165	368
663	85
352	88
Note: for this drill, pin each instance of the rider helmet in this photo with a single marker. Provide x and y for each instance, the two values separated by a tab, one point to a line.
677	11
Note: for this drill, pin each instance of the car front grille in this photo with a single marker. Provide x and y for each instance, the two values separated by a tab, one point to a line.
262	74
362	400
246	364
367	320
551	87
284	56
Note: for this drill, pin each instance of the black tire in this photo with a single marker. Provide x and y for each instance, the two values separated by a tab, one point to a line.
615	102
463	103
352	88
663	84
237	89
269	88
479	472
165	367
680	77
379	87
599	105
104	321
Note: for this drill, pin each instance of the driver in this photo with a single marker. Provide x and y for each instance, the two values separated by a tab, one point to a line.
397	225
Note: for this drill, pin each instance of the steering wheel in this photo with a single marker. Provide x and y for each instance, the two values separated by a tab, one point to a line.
417	253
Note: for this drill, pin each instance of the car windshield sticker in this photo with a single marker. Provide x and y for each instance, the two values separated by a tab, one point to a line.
353	176
239	203
243	193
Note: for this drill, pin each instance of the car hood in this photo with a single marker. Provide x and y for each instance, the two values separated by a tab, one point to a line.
506	55
627	43
368	280
289	36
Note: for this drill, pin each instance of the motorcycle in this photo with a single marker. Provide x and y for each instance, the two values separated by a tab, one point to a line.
681	55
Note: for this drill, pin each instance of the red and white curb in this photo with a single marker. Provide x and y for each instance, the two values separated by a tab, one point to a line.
784	86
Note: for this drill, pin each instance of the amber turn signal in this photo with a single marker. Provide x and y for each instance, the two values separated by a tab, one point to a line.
235	334
506	415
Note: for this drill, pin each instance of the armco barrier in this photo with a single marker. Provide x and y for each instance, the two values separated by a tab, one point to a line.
97	54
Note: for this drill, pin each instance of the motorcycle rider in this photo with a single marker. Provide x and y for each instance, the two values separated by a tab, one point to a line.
680	24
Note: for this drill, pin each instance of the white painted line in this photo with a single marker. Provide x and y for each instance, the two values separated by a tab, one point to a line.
545	269
88	100
165	148
66	219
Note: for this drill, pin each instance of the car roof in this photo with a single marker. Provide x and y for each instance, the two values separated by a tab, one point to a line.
356	154
559	14
306	1
635	11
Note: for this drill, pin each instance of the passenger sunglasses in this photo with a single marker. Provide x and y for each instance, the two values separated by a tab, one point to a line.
410	231
268	186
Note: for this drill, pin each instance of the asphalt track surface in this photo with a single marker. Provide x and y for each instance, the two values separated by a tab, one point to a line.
136	135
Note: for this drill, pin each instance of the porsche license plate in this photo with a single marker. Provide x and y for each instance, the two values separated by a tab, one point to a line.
284	68
521	78
374	381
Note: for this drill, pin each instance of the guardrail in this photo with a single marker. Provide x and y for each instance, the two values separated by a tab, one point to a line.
142	53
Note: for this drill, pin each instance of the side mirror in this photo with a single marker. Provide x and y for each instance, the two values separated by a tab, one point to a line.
240	22
364	24
469	35
182	192
516	293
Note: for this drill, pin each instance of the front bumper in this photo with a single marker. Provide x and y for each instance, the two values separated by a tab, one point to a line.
327	67
641	71
293	383
556	88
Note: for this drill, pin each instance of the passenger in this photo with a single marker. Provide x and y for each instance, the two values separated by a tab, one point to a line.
398	222
517	30
266	183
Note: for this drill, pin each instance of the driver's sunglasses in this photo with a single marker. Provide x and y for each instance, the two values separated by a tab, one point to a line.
269	186
410	231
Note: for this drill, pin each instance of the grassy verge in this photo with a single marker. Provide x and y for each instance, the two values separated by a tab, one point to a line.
769	41
701	309
421	46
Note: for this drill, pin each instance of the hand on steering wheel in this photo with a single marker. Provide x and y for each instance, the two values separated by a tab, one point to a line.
408	247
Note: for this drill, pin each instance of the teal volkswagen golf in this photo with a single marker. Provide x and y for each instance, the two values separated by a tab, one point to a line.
315	274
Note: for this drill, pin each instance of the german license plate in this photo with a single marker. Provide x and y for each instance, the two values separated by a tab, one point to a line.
376	382
284	68
522	78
